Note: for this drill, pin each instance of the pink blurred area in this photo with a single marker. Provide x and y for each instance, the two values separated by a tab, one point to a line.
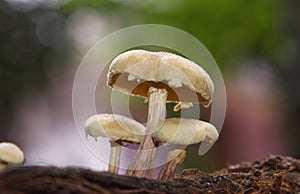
256	114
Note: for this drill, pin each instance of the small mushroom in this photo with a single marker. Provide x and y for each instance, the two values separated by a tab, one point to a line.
10	154
182	132
118	129
159	77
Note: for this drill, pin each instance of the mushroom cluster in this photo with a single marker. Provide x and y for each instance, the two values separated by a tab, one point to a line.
159	77
10	154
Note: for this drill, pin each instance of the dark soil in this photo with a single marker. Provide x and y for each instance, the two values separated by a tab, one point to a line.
275	174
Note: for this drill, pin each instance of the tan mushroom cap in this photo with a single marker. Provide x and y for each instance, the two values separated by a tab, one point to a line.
183	131
11	153
145	69
115	127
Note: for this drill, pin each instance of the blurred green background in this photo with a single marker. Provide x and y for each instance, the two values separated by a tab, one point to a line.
255	43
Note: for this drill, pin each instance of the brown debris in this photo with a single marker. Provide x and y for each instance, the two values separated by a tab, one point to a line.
276	174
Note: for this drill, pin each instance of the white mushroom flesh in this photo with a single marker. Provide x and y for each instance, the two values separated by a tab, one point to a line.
182	105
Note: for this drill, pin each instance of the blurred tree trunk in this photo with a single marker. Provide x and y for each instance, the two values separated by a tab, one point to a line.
292	72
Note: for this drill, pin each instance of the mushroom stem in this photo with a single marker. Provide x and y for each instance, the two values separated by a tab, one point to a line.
142	164
2	166
114	157
174	159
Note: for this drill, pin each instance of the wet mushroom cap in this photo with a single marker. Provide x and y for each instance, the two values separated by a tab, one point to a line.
134	72
183	131
115	127
11	153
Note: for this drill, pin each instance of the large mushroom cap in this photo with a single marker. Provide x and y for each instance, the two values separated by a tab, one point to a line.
115	127
183	131
138	70
11	153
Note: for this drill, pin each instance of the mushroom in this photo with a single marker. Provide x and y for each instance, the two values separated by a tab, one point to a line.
182	132
10	154
118	129
158	77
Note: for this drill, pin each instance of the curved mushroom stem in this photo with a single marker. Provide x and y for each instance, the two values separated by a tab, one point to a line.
142	164
2	166
114	157
174	159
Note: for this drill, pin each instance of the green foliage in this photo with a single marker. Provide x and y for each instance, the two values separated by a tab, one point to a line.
232	30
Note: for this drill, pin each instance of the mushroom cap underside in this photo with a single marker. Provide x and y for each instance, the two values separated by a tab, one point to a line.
115	127
184	131
11	153
135	71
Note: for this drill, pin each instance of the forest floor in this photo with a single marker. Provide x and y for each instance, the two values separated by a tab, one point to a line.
275	174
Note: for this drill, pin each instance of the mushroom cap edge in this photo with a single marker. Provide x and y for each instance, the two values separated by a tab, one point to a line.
186	73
